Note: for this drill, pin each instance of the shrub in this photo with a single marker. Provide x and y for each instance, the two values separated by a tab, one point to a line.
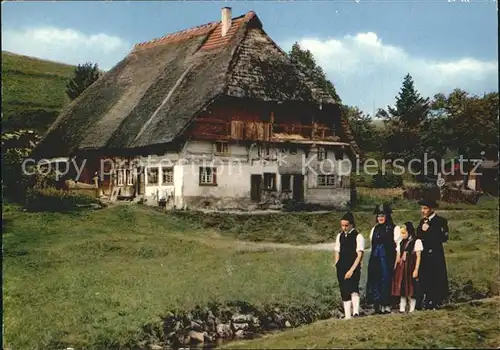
387	180
51	199
16	146
422	190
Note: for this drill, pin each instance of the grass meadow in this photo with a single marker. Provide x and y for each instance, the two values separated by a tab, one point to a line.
94	279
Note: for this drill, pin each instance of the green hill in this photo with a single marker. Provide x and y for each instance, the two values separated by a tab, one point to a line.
33	91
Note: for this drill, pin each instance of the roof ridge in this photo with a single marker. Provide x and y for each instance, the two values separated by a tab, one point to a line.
187	33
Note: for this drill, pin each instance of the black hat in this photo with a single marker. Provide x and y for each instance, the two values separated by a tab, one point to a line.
349	217
410	228
431	203
384	208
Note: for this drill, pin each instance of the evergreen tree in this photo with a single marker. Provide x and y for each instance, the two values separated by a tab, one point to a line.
404	124
84	76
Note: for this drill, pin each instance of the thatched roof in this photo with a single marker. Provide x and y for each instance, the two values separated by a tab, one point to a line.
150	97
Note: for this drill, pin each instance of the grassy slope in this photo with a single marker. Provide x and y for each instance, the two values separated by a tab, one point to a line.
469	325
316	228
32	85
95	278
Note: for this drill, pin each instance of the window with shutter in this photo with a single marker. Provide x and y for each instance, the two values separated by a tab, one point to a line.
208	176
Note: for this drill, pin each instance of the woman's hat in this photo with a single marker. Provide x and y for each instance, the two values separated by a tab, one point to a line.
384	208
427	202
410	228
349	217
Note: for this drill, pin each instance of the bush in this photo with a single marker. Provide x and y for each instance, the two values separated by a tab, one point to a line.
51	199
417	191
16	146
387	180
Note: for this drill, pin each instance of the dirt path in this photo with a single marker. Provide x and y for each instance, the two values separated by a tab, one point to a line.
256	246
267	212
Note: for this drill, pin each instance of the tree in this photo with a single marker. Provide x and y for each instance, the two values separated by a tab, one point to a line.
411	108
366	134
84	76
305	60
473	122
404	124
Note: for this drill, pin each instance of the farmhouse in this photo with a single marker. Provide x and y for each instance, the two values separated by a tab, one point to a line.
480	175
213	116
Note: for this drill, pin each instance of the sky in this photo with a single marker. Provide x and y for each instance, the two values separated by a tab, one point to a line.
364	47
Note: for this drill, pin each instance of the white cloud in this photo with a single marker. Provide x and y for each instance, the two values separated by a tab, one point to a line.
66	45
368	73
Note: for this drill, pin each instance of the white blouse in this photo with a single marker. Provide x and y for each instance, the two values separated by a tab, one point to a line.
360	242
418	246
397	236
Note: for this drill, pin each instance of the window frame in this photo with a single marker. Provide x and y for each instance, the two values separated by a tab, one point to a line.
148	171
265	178
120	177
326	183
164	170
202	177
129	173
225	151
322	153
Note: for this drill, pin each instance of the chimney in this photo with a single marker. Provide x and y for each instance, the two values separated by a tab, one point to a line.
226	20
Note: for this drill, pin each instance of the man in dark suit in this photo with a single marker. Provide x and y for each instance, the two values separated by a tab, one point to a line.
433	231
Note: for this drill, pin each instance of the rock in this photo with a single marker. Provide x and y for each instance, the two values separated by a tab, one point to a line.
240	333
238	326
287	324
196	337
155	347
278	319
141	344
255	321
224	330
239	318
195	326
178	326
207	337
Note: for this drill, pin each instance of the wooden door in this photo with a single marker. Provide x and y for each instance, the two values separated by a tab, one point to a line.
255	187
298	187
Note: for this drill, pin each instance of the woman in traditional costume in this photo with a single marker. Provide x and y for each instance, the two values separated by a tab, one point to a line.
385	237
348	248
405	282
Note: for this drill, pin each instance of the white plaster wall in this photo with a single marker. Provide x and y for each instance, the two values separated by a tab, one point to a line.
179	185
325	195
234	173
232	181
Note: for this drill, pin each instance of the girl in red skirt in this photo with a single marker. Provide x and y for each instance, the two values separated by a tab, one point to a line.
405	280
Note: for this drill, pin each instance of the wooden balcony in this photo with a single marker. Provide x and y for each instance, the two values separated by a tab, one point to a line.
211	128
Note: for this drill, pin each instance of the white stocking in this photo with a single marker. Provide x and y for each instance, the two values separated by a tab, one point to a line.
413	302
355	303
347	309
402	304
